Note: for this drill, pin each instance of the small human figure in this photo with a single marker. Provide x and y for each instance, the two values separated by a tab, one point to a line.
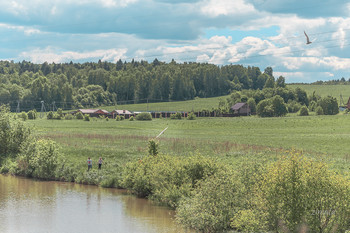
100	163
89	162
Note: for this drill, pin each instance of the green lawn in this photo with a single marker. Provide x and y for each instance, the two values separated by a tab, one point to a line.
323	137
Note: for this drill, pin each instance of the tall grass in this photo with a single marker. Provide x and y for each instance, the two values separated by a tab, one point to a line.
320	136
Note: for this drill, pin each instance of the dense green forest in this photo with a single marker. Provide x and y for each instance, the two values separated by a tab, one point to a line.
74	85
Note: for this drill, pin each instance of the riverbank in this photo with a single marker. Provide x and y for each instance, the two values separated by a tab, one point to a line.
197	161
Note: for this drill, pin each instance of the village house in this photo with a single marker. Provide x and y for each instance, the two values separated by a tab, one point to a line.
93	112
124	113
241	109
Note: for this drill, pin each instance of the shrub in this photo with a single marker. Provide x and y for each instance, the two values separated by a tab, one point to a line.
297	192
329	105
304	111
191	116
117	118
13	133
32	114
213	203
166	178
177	115
86	117
293	106
40	159
23	115
131	118
152	147
49	115
319	110
122	118
144	116
68	117
79	116
252	105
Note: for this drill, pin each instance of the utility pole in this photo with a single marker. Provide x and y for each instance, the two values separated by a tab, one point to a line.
43	109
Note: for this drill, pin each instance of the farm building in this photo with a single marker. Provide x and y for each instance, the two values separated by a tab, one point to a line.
241	109
124	113
93	112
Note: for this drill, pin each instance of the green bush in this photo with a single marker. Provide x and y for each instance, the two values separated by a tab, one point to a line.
166	178
131	118
32	114
39	160
304	111
79	115
68	117
144	116
86	117
23	115
329	105
152	147
49	115
177	115
191	116
213	203
296	192
14	134
117	118
319	110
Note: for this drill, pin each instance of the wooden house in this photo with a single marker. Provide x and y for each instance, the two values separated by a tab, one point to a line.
124	113
241	109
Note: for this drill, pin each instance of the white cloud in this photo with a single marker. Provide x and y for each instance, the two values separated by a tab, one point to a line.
215	8
50	55
117	3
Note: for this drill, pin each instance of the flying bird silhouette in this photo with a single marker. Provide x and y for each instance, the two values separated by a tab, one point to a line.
307	39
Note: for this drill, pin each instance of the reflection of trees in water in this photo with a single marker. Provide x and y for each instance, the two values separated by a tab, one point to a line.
144	209
18	195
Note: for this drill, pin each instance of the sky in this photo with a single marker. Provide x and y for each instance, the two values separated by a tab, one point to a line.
257	33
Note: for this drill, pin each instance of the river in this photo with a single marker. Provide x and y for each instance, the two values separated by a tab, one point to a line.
31	206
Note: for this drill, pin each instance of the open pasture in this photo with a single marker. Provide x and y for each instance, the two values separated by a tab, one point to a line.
321	137
325	90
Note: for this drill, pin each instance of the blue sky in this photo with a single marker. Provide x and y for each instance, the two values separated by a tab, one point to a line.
249	32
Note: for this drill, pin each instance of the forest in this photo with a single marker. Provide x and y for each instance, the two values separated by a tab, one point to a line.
25	85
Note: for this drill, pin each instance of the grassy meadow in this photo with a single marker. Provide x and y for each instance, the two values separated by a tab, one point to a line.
197	104
325	90
232	139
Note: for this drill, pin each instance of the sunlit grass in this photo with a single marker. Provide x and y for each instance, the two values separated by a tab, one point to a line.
319	136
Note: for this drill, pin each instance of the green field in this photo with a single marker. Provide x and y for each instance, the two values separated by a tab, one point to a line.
197	104
323	137
326	90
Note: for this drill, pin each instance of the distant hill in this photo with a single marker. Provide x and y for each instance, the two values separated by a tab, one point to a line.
325	90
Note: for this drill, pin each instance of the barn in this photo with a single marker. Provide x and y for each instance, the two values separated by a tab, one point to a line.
241	109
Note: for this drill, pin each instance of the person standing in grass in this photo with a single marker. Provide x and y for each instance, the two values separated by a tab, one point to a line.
100	163
89	162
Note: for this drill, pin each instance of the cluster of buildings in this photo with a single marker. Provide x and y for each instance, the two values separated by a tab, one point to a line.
239	109
100	112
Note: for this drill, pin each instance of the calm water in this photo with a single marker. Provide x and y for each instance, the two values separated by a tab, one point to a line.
43	207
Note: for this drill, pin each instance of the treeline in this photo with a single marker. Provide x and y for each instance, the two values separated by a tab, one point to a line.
75	85
341	81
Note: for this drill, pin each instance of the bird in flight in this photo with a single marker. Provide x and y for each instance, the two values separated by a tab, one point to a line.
307	39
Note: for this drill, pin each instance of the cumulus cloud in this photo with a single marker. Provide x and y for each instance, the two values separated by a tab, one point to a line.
52	55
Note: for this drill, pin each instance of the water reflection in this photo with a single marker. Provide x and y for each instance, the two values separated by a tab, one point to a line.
37	207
